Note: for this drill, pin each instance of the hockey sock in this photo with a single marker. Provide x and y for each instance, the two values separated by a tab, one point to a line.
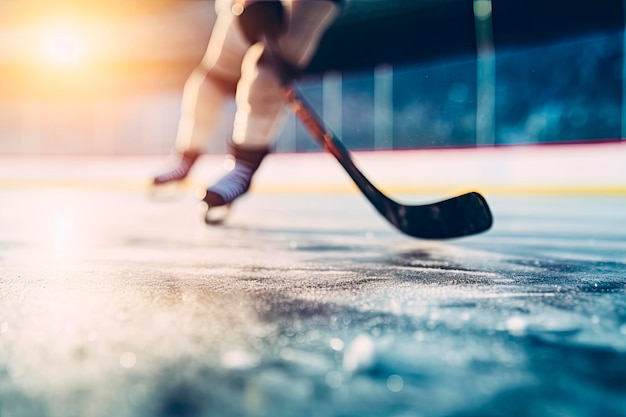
237	181
180	172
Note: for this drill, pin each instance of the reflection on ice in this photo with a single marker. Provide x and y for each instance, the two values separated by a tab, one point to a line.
239	359
359	354
395	383
128	359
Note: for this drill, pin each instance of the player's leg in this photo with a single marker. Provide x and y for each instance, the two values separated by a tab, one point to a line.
205	92
260	99
203	96
251	141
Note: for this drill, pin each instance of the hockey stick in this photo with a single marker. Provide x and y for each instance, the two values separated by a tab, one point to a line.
463	215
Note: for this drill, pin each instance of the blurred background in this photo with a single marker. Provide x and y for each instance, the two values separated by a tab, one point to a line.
105	78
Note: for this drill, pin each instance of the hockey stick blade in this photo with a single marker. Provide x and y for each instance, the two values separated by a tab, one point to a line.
459	216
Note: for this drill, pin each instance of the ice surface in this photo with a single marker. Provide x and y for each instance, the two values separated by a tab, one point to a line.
307	305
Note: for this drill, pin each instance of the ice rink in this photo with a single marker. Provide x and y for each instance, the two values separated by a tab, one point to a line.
307	303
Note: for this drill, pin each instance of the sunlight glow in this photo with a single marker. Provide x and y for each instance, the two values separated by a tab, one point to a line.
63	48
64	244
62	238
75	48
68	45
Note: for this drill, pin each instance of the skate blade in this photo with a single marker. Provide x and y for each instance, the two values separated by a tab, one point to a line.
215	216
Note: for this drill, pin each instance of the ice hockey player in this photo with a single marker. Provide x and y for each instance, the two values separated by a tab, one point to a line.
235	65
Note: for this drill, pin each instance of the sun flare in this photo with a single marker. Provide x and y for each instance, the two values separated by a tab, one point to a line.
63	48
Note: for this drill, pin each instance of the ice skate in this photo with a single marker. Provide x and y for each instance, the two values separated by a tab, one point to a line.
218	198
179	172
171	183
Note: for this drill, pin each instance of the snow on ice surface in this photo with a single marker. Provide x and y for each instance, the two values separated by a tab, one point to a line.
307	305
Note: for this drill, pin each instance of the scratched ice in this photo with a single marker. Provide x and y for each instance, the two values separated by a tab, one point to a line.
113	304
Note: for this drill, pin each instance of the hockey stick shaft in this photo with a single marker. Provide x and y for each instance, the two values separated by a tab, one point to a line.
330	142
